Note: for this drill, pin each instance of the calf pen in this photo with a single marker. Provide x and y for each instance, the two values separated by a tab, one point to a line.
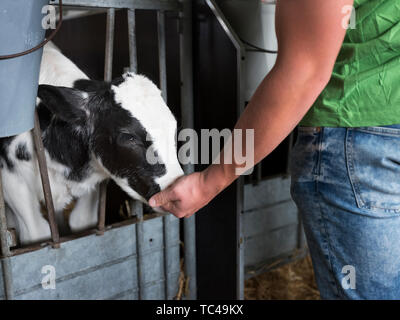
135	259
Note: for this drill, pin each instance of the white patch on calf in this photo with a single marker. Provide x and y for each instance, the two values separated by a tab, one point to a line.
143	100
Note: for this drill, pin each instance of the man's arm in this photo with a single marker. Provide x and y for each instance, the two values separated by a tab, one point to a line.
310	34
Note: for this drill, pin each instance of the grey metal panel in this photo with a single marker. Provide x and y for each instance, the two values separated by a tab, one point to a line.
119	4
100	267
270	244
97	284
266	193
272	229
74	256
127	295
268	219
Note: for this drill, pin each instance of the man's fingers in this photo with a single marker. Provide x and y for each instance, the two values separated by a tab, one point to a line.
161	198
174	208
169	207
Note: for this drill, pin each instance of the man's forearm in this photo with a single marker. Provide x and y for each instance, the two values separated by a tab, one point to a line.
310	34
280	102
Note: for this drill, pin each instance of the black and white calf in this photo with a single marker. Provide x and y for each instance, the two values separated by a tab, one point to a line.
92	131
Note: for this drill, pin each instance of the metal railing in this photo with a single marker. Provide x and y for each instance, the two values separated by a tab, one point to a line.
161	6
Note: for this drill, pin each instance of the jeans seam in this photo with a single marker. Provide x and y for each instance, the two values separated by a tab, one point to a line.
325	234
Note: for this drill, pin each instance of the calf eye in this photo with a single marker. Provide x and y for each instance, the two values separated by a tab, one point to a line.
126	137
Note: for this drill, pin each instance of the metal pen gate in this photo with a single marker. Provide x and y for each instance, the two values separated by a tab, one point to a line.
135	259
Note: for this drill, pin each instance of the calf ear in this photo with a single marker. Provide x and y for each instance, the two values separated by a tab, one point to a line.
66	103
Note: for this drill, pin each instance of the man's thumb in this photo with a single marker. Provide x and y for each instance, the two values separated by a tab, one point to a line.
159	199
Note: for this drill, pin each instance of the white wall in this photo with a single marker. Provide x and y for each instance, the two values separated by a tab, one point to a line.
254	21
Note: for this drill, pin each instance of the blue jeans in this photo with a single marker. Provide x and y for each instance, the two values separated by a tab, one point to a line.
346	185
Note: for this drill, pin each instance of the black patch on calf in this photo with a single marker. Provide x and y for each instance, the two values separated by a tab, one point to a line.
4	158
119	140
65	143
21	152
68	147
109	131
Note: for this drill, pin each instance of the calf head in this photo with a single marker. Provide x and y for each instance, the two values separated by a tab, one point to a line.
130	131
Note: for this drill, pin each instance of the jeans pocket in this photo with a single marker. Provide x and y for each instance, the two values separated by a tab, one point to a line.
373	161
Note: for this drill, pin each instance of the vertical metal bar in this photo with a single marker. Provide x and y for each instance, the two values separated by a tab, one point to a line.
162	53
136	207
132	40
163	85
241	56
187	113
101	222
5	249
40	152
108	64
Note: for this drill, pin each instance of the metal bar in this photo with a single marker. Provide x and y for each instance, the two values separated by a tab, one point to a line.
241	56
227	28
40	152
137	207
187	113
162	53
101	222
108	64
132	40
172	5
163	85
5	249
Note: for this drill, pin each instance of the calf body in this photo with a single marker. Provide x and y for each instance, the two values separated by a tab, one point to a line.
92	131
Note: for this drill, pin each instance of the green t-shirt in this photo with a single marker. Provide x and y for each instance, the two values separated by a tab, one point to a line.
364	89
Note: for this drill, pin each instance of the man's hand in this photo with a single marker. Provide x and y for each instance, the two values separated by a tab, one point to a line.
184	197
190	193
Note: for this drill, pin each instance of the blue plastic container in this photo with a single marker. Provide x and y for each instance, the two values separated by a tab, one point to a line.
20	29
